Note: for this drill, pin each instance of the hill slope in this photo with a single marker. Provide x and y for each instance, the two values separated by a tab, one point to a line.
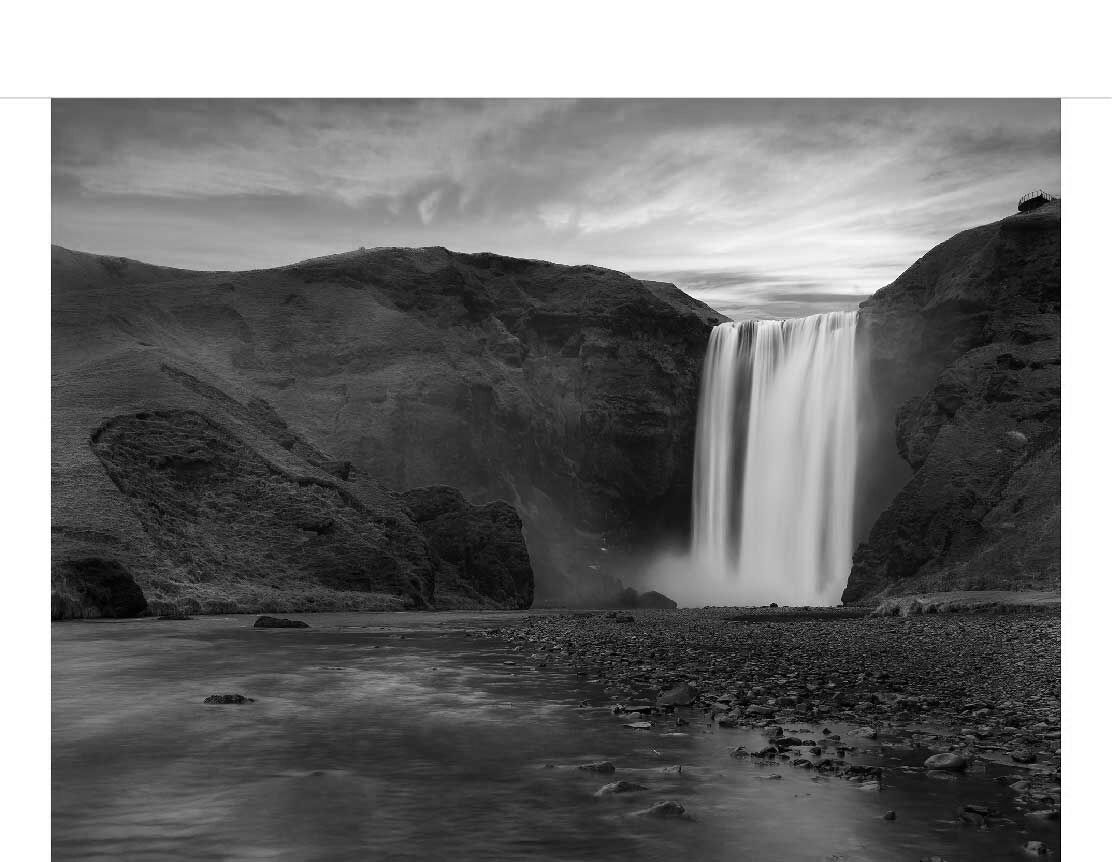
567	392
965	353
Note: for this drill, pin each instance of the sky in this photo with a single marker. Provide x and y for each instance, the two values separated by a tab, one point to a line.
761	208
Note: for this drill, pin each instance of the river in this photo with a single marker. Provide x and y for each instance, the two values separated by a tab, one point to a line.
399	736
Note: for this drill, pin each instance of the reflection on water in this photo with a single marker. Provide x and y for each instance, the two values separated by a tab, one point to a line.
366	745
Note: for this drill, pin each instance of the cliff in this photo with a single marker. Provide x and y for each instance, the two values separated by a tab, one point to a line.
965	352
241	440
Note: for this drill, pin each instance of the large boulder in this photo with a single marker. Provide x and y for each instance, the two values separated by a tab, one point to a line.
964	350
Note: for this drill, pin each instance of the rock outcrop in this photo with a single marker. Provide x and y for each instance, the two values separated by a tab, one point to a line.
965	352
480	549
234	439
93	587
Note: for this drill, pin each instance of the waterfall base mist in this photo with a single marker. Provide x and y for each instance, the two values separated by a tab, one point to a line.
696	582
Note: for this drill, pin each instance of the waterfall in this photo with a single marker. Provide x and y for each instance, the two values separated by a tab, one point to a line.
776	460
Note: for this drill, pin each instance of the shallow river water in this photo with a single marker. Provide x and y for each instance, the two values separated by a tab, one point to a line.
366	742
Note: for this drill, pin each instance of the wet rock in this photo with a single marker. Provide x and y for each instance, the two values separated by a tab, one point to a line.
683	694
278	623
889	815
760	711
622	786
1035	848
228	698
602	766
666	810
1023	755
639	725
948	761
739	752
867	732
881	662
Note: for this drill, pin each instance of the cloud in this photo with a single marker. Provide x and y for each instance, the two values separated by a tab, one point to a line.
429	204
780	206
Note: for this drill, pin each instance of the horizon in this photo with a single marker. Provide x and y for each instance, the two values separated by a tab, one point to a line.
760	208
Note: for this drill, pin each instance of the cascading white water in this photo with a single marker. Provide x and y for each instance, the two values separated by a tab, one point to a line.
776	460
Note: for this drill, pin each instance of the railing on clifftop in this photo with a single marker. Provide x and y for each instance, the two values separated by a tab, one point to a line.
1035	199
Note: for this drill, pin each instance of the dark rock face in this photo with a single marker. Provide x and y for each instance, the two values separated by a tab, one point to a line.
480	549
277	623
569	392
94	587
967	344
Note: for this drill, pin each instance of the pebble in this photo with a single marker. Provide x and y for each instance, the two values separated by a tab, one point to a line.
1001	684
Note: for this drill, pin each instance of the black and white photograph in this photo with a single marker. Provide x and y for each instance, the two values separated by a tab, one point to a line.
583	477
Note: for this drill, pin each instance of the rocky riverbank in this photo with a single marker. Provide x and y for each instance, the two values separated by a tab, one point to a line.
984	687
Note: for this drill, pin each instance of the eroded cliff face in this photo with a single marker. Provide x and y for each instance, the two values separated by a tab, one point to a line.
570	392
315	390
965	352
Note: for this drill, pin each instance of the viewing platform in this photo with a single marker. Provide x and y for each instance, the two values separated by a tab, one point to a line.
1034	200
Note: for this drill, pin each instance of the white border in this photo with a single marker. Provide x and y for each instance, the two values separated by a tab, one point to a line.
25	359
1086	428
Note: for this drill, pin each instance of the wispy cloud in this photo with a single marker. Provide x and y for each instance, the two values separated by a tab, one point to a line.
759	207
